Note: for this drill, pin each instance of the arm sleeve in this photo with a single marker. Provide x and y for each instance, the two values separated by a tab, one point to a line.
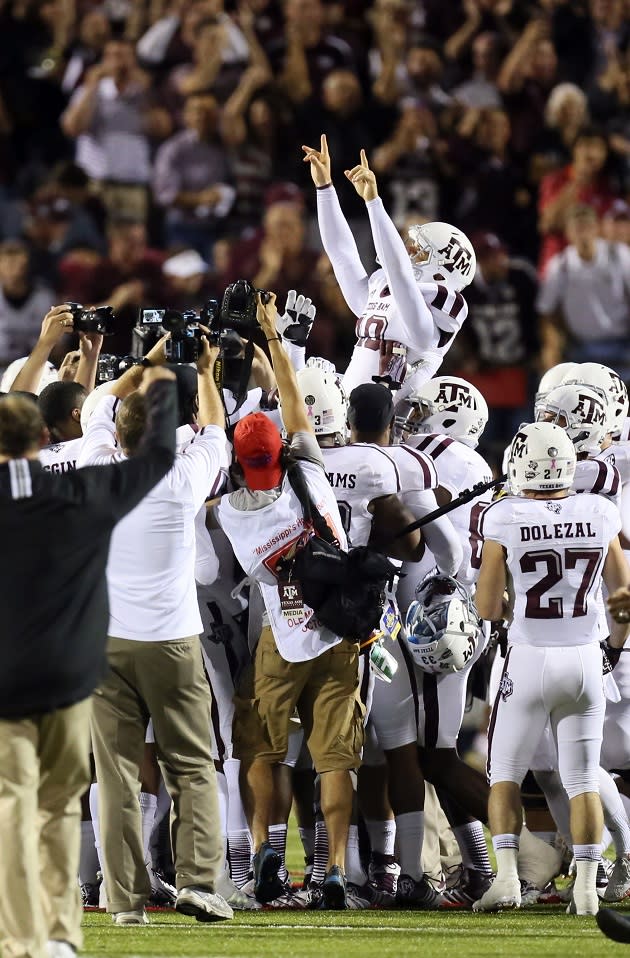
99	440
202	465
440	536
206	561
393	257
121	486
341	250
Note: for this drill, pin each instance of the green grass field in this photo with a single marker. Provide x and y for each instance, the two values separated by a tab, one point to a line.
531	933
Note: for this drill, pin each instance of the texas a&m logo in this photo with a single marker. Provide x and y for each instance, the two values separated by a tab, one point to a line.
451	394
455	256
519	446
590	409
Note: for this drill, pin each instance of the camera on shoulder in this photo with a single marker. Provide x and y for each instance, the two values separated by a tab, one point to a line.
92	319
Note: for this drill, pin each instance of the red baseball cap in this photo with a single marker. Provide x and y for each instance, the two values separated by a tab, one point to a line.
258	448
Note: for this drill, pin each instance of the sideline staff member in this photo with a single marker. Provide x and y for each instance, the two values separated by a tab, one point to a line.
53	553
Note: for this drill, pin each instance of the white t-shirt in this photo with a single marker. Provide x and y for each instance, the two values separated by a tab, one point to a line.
61	456
556	550
459	467
262	534
151	567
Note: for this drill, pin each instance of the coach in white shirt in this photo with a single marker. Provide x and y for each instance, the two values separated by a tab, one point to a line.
155	660
585	297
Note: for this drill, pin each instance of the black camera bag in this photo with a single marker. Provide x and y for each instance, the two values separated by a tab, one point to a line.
344	589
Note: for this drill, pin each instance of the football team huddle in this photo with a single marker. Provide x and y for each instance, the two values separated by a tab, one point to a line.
502	596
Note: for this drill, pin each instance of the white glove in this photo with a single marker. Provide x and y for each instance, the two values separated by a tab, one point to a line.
297	319
318	362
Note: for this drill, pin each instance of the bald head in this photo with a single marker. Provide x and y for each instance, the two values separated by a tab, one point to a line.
22	429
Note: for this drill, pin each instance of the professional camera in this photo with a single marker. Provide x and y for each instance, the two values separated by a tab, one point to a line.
111	367
238	307
93	319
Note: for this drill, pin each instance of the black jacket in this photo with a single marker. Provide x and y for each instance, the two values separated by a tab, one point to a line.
54	542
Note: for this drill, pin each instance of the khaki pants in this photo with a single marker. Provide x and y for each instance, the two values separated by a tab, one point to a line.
165	681
44	770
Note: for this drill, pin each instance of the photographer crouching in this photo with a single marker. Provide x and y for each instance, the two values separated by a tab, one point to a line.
298	663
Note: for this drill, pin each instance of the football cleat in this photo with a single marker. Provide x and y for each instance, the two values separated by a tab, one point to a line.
136	917
237	898
604	870
334	892
472	884
618	886
384	875
90	894
202	904
501	895
583	905
290	900
163	895
267	884
417	894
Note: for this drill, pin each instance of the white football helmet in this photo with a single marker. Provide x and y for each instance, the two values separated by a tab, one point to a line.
49	375
605	380
325	400
554	377
442	625
580	411
450	405
541	457
440	253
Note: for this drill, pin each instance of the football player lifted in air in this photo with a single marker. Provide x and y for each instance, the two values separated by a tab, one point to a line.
408	311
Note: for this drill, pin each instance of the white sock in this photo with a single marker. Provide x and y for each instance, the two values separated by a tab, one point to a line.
95	823
88	860
506	852
222	792
238	834
382	835
586	862
355	873
278	841
409	838
148	806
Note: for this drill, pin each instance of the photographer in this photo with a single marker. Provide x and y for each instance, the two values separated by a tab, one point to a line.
155	658
298	664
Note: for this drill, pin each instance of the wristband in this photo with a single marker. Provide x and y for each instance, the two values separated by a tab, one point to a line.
146	362
273	339
324	187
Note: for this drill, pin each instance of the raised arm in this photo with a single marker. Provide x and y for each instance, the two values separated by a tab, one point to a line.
293	408
393	257
56	323
336	235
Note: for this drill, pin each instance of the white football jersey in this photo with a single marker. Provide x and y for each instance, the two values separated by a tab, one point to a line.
61	456
359	473
556	550
382	346
618	455
459	467
597	476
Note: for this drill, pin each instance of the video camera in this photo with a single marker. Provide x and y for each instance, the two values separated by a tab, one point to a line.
93	319
110	367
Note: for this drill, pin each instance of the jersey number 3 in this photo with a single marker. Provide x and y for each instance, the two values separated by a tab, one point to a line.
539	604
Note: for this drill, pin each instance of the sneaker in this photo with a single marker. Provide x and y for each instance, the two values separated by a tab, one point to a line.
163	895
237	898
384	876
471	886
60	949
334	889
501	895
267	884
90	892
202	904
587	905
618	886
372	896
136	917
417	894
604	871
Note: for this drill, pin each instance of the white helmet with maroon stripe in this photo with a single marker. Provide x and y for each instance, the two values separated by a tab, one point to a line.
606	381
541	458
440	253
449	405
581	411
442	626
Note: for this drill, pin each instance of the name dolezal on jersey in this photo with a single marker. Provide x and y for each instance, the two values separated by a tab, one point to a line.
561	530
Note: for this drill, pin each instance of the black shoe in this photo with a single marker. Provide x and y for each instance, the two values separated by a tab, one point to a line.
334	889
417	894
614	925
267	884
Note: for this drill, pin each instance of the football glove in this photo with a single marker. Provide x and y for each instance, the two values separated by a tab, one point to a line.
296	321
611	656
318	362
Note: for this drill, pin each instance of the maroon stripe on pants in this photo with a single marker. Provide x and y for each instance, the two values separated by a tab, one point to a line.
493	716
411	671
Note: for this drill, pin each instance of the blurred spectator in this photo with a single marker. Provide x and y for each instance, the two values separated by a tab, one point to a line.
408	165
333	333
94	32
170	40
526	78
423	75
46	226
187	281
615	225
109	116
72	183
23	302
610	104
307	54
566	113
584	300
481	89
216	64
582	181
191	178
129	276
498	344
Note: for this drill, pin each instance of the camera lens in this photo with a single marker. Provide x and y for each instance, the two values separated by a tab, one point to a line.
173	321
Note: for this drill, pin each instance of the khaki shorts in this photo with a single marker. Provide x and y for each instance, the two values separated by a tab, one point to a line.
325	692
